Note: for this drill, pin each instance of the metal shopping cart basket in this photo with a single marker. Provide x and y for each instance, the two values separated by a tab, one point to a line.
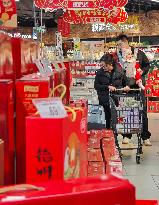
127	117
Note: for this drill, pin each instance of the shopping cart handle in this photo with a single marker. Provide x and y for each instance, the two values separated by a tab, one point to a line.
122	89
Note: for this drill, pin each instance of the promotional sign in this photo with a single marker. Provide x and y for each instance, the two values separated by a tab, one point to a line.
8	13
95	16
50	4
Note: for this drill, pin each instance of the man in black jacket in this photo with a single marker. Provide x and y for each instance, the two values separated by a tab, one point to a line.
123	44
108	78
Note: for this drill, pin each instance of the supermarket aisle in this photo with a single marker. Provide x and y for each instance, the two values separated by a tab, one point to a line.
146	175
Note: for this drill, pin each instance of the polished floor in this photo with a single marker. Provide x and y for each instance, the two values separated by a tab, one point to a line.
146	175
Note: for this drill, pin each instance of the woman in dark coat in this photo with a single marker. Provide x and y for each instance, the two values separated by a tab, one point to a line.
108	79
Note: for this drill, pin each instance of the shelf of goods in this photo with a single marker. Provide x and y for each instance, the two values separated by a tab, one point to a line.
152	88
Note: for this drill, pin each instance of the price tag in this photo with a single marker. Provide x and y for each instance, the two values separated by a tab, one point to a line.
50	108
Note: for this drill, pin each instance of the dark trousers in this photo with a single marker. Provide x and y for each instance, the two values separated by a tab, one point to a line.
145	134
107	115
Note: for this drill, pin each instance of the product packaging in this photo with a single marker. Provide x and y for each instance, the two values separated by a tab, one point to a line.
56	148
7	129
26	91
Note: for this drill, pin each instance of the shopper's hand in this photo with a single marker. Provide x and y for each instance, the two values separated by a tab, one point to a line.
140	71
112	88
127	89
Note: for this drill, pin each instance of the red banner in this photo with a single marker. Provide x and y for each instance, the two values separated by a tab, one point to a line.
80	5
8	13
96	16
63	27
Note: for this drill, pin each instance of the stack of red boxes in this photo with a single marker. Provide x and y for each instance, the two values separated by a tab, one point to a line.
103	158
152	91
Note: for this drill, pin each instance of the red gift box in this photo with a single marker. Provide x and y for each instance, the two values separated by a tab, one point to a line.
109	148
153	106
26	90
156	74
96	169
7	128
149	90
95	155
56	148
156	90
105	190
94	139
107	133
114	168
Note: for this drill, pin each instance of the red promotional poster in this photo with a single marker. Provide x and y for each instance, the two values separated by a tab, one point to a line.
8	13
7	129
56	148
26	90
110	4
81	5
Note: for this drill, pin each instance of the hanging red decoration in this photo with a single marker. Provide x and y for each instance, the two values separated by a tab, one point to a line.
50	4
119	15
63	27
110	4
80	4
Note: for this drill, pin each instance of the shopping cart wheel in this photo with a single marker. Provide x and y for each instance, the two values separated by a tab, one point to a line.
137	159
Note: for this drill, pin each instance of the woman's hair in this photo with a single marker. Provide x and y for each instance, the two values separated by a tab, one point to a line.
108	59
122	37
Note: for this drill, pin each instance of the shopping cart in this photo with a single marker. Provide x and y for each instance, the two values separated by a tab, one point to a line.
127	117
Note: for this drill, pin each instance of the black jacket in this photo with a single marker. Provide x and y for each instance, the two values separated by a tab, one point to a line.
104	79
144	64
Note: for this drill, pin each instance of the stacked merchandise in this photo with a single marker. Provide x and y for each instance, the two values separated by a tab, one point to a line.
103	158
152	88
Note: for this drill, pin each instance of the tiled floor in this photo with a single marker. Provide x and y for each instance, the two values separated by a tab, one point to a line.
146	175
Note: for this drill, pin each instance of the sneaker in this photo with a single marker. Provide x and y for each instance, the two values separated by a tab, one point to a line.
147	143
125	140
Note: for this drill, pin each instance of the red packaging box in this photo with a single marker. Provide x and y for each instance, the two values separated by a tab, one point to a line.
149	90
109	148
107	133
156	74
94	139
26	90
95	155
7	129
153	106
96	169
109	190
114	168
156	90
2	163
56	148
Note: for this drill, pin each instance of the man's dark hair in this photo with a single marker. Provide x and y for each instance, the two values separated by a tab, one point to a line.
122	37
108	59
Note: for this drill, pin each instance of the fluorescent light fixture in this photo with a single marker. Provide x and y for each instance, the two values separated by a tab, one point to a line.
155	0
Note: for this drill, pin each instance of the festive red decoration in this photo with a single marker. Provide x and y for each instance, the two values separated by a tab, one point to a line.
95	16
51	4
63	27
110	4
81	4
